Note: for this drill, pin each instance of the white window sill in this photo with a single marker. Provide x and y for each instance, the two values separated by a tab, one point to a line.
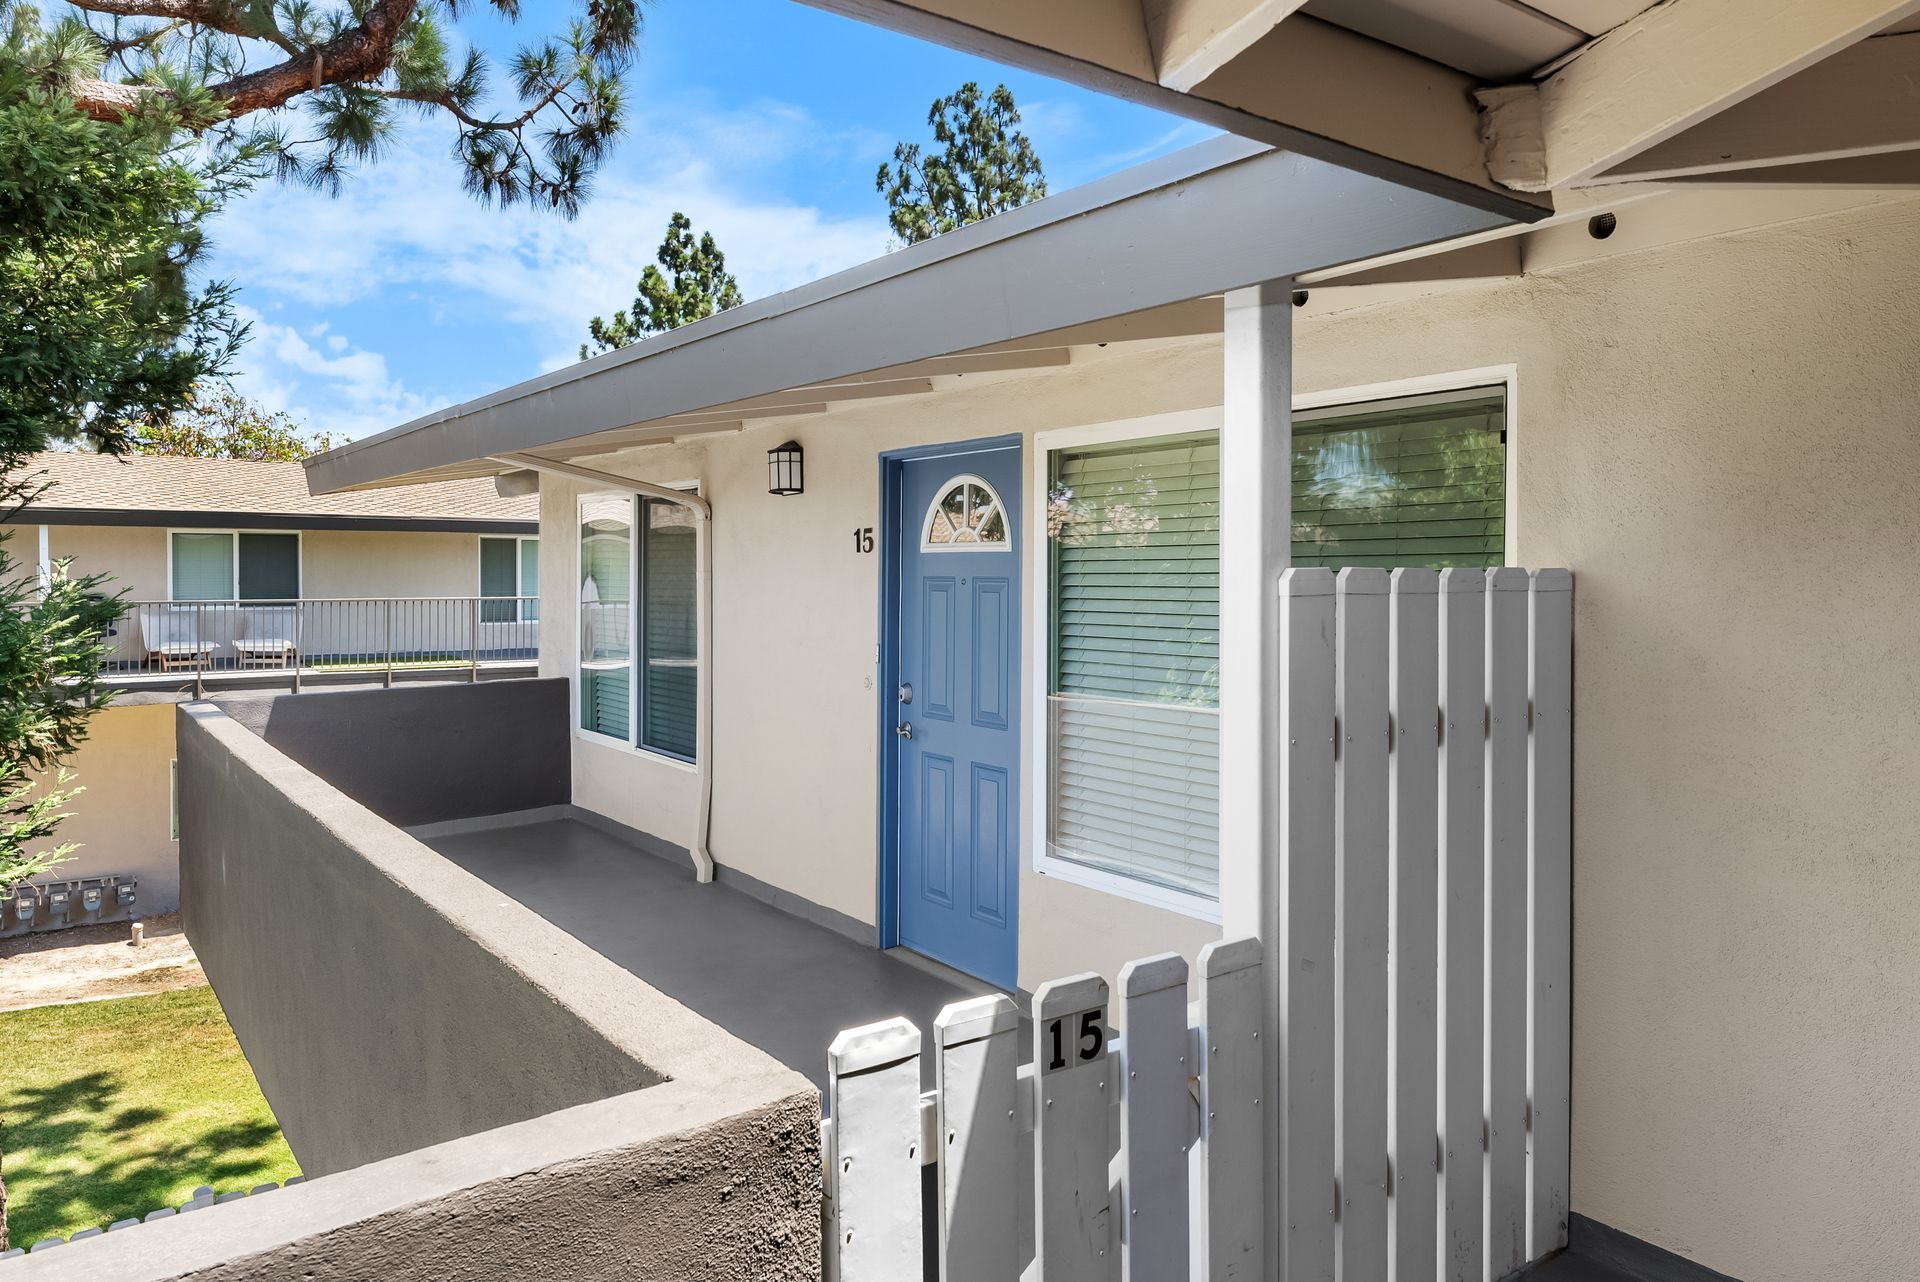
1141	892
633	750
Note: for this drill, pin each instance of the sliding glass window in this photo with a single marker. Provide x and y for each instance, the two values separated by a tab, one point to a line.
660	711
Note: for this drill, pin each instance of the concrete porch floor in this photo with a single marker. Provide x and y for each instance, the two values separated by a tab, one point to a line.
769	978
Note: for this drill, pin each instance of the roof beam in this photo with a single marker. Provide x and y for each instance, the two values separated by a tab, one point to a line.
1192	39
1308	87
1659	75
1888	171
1863	101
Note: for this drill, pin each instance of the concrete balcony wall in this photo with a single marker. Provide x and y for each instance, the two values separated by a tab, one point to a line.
427	754
390	1002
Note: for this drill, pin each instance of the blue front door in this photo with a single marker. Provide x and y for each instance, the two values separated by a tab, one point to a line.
958	710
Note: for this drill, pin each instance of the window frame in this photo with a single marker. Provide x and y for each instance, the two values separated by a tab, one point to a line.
958	481
635	706
520	594
233	534
1038	746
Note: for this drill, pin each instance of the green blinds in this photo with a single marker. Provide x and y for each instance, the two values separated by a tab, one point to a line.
667	551
1420	481
1134	699
1134	532
606	613
269	567
499	577
203	567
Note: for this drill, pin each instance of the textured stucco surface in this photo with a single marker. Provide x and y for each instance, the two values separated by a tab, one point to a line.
123	821
426	754
388	1000
655	1186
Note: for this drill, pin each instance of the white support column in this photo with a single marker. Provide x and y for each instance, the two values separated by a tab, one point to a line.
46	562
1256	520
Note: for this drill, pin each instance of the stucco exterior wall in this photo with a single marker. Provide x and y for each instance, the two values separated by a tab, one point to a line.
794	646
377	563
124	819
1718	438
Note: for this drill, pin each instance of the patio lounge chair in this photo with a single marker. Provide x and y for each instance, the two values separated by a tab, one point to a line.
266	638
172	639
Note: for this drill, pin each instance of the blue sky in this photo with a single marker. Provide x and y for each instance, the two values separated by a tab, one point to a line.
763	120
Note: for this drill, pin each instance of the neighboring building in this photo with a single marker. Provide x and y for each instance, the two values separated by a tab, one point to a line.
224	565
943	604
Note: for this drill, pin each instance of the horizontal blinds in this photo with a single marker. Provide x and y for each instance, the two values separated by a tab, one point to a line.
1419	484
203	567
530	578
1134	530
668	611
1135	536
499	577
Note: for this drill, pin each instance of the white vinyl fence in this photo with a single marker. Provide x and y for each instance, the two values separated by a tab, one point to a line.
1423	1123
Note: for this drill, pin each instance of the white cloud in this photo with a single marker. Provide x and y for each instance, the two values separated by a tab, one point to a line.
405	222
347	393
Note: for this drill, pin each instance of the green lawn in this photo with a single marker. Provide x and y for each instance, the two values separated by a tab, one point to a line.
113	1109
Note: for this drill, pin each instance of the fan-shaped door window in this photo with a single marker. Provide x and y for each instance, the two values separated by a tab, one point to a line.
966	516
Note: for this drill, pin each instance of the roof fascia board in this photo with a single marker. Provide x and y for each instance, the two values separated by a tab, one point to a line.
200	519
1248	215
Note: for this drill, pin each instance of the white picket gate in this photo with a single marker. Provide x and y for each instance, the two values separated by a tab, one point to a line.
1424	1124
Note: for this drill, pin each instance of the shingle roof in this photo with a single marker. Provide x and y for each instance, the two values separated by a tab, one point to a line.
90	484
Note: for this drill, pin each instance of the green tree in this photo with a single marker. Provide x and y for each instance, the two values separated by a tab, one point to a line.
694	285
218	422
983	166
101	323
312	88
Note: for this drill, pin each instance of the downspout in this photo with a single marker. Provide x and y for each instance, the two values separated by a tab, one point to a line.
703	641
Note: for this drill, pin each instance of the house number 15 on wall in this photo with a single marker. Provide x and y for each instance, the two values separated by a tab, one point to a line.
863	539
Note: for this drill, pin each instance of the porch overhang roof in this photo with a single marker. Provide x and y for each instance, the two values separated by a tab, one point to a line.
1134	255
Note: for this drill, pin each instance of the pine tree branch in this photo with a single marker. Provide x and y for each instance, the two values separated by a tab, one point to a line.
360	53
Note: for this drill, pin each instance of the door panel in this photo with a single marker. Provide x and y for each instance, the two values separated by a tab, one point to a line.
957	822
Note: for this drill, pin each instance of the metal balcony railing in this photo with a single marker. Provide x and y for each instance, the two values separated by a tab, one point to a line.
374	635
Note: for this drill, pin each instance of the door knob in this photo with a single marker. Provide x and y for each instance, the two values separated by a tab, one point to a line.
904	729
906	692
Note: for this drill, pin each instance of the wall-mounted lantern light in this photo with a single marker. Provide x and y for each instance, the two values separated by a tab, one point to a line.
783	469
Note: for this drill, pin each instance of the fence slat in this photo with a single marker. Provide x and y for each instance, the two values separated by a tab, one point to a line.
1413	912
873	1086
1505	956
1156	1119
1549	924
978	1047
1463	709
1229	1211
1303	953
1360	1078
1073	1212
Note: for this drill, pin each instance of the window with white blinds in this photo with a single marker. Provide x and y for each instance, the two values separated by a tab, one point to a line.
1134	587
1134	696
660	712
